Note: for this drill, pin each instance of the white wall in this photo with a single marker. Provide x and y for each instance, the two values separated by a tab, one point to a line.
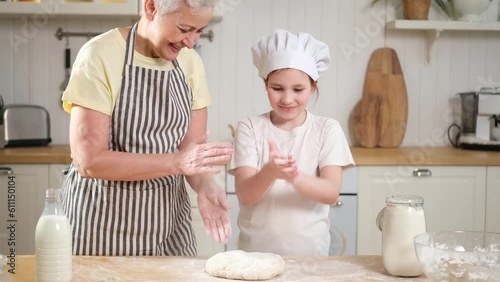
462	61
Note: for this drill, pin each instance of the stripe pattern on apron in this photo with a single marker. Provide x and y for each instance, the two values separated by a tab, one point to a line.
151	217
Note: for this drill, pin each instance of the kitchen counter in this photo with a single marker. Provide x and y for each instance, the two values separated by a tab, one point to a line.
53	154
362	156
417	156
87	268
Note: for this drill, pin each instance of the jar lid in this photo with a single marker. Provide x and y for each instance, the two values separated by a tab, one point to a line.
405	199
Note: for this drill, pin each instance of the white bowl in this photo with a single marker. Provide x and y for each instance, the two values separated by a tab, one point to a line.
469	10
459	255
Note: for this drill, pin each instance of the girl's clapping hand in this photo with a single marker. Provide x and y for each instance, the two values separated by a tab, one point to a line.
281	166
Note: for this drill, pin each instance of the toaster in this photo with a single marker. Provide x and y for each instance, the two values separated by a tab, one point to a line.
26	125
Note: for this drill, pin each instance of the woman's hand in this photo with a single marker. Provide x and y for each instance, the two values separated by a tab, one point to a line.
198	157
213	206
281	166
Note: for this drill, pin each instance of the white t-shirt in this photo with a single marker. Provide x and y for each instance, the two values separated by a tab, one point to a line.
285	222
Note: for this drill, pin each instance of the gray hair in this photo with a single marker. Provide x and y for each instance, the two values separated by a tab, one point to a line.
169	6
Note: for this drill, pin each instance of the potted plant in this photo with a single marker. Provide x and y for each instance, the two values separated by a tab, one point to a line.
414	9
447	6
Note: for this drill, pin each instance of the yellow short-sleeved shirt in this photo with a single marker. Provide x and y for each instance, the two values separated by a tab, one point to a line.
96	77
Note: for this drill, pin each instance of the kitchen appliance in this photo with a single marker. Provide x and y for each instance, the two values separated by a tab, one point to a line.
480	120
26	125
343	215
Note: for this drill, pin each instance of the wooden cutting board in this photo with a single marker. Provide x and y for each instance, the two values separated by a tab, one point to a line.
380	117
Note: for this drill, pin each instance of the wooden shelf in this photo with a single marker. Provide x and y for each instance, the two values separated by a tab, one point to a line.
433	29
443	25
59	8
95	8
22	8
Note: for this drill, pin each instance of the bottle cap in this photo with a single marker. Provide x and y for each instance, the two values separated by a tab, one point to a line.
3	262
53	193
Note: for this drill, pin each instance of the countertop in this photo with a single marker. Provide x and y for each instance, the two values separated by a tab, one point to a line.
53	154
416	156
88	268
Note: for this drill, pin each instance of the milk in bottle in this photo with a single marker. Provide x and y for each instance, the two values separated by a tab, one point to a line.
53	241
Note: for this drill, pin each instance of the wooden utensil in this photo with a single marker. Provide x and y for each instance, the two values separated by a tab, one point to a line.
380	117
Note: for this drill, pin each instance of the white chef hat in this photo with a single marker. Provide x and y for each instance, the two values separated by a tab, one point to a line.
284	49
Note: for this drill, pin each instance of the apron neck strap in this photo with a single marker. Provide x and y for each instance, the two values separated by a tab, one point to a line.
129	53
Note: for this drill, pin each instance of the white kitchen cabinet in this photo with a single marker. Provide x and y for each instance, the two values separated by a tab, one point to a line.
43	7
65	8
26	184
71	8
217	16
97	7
493	199
454	198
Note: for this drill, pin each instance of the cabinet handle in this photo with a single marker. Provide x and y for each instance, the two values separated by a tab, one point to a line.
6	170
422	172
337	204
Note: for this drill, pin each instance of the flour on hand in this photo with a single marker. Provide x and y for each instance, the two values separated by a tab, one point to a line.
245	265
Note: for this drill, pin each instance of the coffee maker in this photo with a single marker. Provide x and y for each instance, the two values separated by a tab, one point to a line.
480	118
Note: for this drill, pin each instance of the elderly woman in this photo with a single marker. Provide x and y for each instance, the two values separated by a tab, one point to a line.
138	100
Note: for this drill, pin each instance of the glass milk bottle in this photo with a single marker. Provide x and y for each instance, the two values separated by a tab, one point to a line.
3	272
400	221
53	241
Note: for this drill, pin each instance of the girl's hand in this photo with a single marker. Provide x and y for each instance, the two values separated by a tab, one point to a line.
281	166
199	157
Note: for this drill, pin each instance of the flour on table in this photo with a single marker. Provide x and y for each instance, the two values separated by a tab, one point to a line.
110	279
245	265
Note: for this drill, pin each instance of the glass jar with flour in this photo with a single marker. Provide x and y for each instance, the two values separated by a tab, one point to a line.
400	221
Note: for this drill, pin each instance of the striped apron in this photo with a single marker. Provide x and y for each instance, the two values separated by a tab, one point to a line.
137	218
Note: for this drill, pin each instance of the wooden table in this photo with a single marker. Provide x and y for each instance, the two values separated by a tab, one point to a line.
87	268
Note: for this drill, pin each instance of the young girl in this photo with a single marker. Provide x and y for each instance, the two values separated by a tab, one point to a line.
288	162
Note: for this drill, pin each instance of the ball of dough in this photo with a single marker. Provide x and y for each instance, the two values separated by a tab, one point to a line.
245	265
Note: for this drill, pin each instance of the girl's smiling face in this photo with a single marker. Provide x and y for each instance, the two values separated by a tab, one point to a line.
288	91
